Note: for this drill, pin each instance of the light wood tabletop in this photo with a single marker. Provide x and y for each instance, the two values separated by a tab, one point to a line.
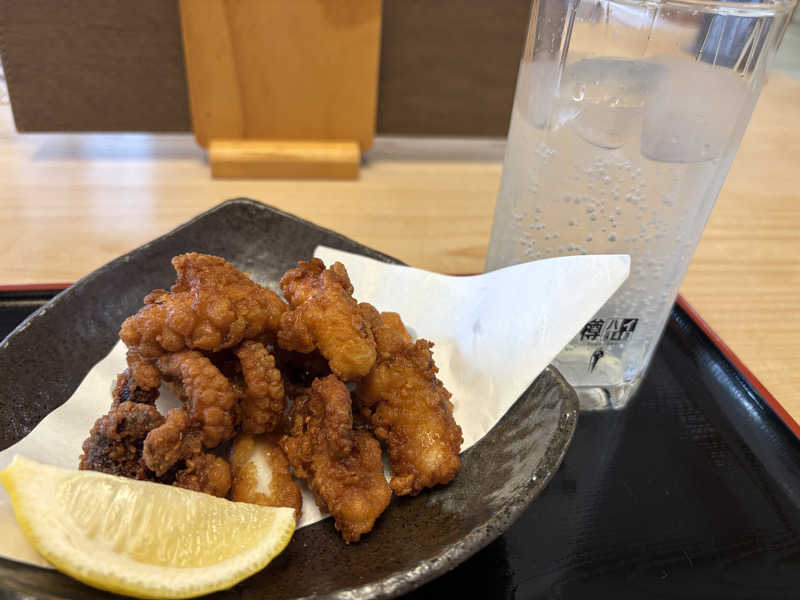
70	203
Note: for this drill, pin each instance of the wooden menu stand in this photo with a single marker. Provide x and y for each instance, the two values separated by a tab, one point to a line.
287	159
282	88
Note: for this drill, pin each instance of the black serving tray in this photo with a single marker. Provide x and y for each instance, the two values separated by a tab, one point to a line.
691	492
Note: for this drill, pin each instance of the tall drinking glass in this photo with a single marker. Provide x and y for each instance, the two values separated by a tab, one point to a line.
626	119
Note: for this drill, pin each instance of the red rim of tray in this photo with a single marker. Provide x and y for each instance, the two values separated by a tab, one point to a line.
34	287
740	366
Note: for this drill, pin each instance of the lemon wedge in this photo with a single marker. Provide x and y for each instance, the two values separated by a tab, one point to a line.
139	538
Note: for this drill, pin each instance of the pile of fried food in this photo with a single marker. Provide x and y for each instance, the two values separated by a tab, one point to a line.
301	387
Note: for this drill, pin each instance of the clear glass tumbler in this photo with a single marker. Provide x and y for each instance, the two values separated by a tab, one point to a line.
626	119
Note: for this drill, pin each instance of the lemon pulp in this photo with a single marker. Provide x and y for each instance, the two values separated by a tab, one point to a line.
140	538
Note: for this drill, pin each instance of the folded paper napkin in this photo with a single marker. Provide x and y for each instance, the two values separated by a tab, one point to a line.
493	333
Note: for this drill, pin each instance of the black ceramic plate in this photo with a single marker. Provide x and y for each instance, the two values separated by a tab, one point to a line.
416	539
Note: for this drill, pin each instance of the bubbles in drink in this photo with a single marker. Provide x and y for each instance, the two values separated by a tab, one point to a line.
588	165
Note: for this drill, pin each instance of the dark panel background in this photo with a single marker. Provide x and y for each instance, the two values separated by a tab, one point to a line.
448	67
94	65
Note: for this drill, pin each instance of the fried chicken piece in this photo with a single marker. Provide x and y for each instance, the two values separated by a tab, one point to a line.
393	321
261	473
143	372
205	473
173	441
127	390
115	441
343	467
263	399
410	412
207	395
325	315
376	319
370	315
212	306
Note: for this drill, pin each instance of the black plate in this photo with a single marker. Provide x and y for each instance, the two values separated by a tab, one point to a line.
417	539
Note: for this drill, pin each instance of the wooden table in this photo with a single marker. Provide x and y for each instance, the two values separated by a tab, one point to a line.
70	203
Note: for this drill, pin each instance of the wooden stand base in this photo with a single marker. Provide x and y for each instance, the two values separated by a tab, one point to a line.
284	159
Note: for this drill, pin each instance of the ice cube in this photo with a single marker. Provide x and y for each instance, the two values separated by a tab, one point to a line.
612	96
694	111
